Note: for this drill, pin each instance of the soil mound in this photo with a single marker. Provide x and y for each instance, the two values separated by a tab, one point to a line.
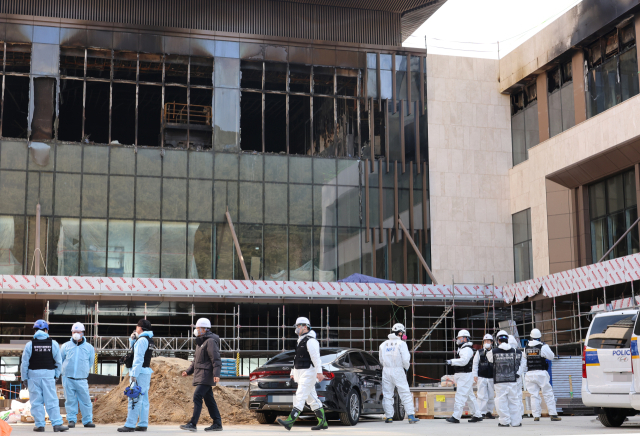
171	399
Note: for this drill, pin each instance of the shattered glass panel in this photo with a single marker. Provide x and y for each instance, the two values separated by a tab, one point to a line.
150	67
323	80
610	82
125	64
275	76
99	63
299	78
251	74
18	58
201	72
323	127
72	62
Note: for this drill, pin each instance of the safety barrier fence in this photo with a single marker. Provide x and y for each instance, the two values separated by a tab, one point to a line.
128	286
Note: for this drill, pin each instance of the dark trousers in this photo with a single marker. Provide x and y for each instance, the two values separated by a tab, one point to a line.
204	392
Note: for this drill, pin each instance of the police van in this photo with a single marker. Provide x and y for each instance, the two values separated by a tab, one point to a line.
607	377
634	395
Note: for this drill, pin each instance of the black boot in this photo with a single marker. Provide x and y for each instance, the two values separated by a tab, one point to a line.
453	420
475	419
322	420
288	423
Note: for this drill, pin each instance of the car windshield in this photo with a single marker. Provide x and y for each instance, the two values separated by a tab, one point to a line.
613	331
326	356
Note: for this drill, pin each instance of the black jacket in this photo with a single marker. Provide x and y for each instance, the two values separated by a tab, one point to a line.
207	363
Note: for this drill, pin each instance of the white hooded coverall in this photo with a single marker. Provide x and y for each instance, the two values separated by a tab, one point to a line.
535	381
306	378
516	344
508	395
395	359
464	383
485	392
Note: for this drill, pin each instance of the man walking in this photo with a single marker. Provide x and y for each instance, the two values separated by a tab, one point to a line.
307	371
537	377
483	376
40	367
77	360
395	360
140	373
205	368
463	377
508	365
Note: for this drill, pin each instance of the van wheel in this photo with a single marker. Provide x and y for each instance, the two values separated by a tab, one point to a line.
612	417
266	417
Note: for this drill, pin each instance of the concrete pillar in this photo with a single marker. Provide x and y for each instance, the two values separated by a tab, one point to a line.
579	97
543	106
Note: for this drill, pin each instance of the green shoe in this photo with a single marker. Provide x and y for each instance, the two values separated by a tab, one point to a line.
322	420
288	423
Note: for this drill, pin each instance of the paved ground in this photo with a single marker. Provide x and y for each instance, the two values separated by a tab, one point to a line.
570	425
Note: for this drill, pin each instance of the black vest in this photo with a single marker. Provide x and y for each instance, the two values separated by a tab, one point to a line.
42	354
505	365
469	366
535	361
485	368
147	354
302	359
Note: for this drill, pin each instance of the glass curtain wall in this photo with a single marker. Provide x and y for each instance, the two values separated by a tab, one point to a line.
524	122
561	104
612	210
613	70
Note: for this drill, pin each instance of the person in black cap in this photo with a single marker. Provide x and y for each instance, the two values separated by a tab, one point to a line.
140	373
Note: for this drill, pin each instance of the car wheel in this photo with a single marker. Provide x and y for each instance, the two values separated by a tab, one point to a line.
612	417
266	417
354	408
398	408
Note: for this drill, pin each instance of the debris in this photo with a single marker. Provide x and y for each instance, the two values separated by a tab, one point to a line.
171	399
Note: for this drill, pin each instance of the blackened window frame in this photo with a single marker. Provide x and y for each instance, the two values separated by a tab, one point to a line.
524	103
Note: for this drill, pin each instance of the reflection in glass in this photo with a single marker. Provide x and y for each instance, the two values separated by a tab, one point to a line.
555	113
275	199
615	194
324	205
224	253
323	127
227	102
120	249
250	240
324	254
519	149
616	229
147	249
92	248
348	252
64	253
401	77
174	250
629	73
349	206
386	85
532	132
300	204
523	261
251	202
610	82
568	112
632	237
300	254
599	239
225	195
199	244
12	245
275	252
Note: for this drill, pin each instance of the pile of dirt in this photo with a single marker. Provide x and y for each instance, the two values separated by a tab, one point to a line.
171	399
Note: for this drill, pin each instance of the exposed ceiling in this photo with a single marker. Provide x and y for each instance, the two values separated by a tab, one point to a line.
413	12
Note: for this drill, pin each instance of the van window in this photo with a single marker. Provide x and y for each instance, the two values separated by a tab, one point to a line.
612	331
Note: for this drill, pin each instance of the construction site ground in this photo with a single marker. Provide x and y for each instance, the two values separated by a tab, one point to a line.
570	425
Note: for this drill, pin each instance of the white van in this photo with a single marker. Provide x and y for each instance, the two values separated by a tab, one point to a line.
606	366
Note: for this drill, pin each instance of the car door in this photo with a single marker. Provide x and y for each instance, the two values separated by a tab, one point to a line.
365	381
376	370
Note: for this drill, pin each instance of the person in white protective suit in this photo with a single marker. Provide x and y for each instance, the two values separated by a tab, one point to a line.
77	361
395	360
307	371
463	376
483	376
508	366
537	377
515	344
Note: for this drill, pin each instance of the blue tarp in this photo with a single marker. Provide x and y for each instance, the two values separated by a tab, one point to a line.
361	278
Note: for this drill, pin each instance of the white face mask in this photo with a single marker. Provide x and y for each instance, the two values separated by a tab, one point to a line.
76	336
299	330
487	346
196	333
459	342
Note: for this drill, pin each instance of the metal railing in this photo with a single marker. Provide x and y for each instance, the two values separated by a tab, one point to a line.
182	113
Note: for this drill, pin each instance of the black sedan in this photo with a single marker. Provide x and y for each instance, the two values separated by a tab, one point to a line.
352	387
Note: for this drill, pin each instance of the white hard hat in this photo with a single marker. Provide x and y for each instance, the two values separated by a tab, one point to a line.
398	328
502	333
535	334
464	333
77	327
303	320
487	336
204	323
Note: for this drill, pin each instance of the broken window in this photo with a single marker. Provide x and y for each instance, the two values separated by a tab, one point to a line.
16	107
275	76
347	82
71	62
347	135
201	71
323	127
561	105
149	114
123	114
125	65
251	121
200	118
99	63
151	67
176	69
323	80
613	69
299	78
44	94
70	110
524	122
299	125
18	58
251	75
275	123
96	124
175	116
